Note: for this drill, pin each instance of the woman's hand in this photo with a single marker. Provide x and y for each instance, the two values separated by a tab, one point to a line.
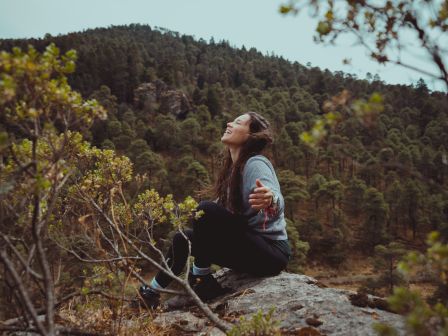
261	197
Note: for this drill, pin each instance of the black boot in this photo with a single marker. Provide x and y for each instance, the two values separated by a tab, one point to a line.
206	286
147	298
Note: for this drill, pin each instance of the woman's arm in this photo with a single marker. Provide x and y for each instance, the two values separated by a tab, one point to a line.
260	185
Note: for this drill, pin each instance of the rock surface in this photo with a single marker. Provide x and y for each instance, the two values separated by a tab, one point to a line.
173	102
301	305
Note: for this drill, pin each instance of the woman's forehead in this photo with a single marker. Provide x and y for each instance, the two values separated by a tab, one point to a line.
244	117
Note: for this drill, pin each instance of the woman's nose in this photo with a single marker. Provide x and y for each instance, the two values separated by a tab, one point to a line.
229	124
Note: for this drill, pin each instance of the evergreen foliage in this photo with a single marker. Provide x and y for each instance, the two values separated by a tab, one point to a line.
378	177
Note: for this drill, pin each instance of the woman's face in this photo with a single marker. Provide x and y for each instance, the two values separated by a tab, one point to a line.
237	131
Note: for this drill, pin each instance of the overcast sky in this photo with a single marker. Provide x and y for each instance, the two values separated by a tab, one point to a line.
252	23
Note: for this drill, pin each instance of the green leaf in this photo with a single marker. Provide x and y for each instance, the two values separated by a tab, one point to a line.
323	28
331	118
285	9
3	139
376	98
433	237
306	137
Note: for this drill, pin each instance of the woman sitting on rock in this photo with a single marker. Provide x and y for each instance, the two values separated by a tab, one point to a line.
244	229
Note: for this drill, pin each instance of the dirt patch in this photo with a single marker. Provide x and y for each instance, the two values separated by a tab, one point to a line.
353	273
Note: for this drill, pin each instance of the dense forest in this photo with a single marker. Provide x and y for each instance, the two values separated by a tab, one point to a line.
390	184
168	97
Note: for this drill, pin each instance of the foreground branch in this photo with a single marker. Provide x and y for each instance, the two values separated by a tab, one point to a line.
26	300
59	331
222	325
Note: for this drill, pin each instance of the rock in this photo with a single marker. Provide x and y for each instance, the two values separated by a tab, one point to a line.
145	95
186	322
307	331
173	102
313	321
380	304
298	302
359	299
364	300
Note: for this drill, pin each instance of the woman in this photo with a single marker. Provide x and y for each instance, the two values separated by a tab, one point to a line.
244	229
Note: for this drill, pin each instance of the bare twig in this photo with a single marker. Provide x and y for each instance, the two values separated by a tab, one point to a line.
434	51
43	261
20	258
66	298
224	326
125	259
60	331
95	261
19	309
26	300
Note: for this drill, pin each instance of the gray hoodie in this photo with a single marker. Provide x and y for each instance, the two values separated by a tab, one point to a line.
268	224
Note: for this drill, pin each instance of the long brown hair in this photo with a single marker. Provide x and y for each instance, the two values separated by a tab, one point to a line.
230	174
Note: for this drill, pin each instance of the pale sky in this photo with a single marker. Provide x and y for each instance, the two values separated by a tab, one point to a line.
252	23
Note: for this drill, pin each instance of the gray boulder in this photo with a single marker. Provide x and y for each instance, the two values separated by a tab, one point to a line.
301	304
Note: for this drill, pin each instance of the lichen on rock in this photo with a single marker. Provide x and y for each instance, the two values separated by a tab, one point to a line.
298	300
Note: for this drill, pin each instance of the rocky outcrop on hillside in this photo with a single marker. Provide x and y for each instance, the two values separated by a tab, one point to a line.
173	102
301	304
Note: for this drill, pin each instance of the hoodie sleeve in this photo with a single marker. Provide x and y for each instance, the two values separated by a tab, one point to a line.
260	168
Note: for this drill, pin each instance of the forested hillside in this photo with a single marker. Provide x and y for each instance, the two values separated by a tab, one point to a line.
375	185
368	185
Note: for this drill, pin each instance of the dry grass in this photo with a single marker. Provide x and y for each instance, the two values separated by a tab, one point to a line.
353	272
95	314
353	266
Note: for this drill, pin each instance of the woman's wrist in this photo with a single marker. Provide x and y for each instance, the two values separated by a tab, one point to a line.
274	201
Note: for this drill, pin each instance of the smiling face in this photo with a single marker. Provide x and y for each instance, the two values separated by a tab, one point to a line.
237	131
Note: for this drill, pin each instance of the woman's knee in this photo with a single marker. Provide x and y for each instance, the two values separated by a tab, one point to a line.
207	206
180	240
209	210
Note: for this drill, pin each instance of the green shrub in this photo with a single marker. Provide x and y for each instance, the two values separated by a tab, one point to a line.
259	325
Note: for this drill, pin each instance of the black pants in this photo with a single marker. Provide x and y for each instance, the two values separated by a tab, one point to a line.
223	238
